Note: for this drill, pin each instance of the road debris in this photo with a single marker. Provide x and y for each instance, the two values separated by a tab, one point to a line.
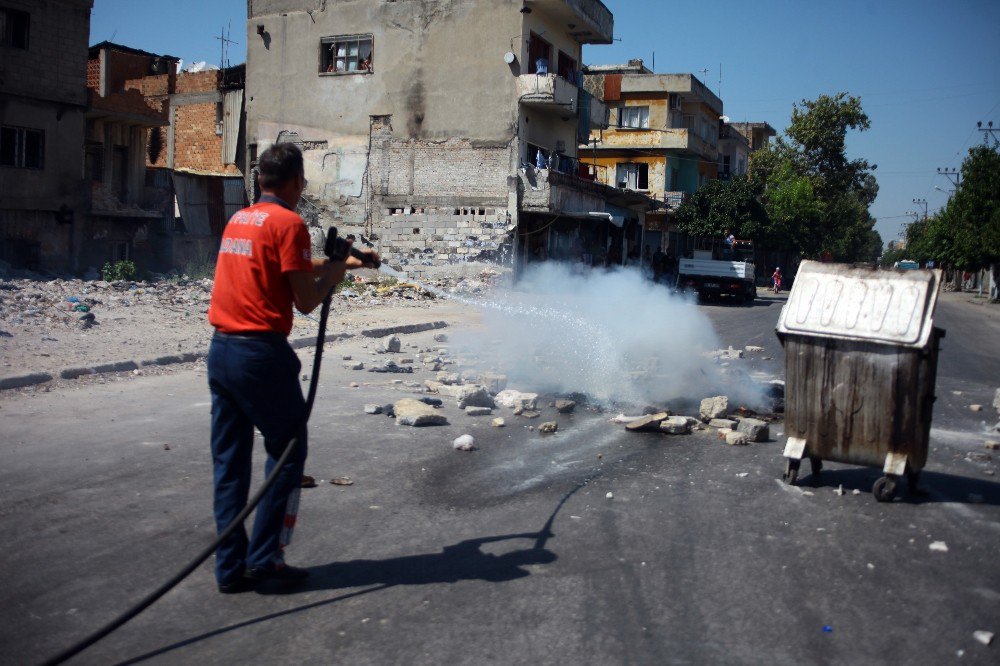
342	481
609	496
498	422
714	408
984	637
415	413
548	427
975	408
938	546
755	429
676	425
648	423
734	438
565	406
373	409
307	481
464	443
478	411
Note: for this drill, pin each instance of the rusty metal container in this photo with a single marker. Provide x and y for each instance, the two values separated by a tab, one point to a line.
861	355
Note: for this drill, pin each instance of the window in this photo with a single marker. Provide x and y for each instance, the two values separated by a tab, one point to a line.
121	251
350	54
539	55
634	116
93	161
14	28
567	67
21	148
674	101
632	176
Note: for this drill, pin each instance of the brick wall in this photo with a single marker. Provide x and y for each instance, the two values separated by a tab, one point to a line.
191	82
94	73
196	144
121	67
156	89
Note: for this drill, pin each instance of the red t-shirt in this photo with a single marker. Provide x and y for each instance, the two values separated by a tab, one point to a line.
259	246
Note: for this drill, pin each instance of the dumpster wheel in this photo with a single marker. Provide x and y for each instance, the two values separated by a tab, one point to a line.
884	488
791	474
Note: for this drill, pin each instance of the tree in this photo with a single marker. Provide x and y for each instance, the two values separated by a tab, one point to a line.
721	205
814	196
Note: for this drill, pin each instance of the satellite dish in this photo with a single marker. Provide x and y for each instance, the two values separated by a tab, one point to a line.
724	119
509	57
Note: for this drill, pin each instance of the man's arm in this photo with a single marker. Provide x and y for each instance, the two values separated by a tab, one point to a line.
309	289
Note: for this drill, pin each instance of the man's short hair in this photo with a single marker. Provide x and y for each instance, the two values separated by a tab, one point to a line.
279	165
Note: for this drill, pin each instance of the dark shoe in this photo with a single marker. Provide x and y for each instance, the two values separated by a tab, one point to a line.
283	573
242	584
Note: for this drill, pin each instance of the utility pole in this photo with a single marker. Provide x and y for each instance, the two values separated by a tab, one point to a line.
989	133
952	174
922	202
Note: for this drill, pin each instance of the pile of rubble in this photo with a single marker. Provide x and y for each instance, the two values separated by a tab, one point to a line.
737	428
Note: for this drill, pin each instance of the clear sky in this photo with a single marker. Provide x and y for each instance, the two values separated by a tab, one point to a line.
926	70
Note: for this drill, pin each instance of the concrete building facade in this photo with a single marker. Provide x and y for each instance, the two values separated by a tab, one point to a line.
43	64
662	139
443	131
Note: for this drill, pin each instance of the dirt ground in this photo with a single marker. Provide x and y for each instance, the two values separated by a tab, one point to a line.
49	325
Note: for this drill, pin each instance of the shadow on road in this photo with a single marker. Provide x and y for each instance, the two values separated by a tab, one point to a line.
934	487
461	561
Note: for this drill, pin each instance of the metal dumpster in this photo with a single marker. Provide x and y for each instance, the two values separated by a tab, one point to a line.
860	366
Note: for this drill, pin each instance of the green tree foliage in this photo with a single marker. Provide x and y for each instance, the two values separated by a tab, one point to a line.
720	205
815	198
965	234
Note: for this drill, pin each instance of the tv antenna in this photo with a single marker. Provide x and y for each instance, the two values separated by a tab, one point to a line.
225	42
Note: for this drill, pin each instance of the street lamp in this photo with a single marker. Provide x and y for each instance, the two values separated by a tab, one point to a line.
948	192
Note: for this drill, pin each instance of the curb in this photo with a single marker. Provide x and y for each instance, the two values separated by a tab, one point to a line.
409	328
22	381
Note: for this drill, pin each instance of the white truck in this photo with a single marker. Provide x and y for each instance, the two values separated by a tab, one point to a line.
733	276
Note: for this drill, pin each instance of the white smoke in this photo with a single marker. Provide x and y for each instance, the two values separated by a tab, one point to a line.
613	335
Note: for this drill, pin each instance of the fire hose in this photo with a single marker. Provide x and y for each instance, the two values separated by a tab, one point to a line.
336	249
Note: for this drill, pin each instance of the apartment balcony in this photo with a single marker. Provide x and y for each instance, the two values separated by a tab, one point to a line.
548	92
587	21
678	140
572	193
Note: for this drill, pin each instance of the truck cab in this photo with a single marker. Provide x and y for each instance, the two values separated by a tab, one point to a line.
727	272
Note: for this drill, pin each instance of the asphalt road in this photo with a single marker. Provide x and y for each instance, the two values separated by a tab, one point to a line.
512	553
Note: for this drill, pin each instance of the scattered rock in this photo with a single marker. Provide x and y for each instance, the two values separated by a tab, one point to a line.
345	357
725	424
676	425
548	427
415	413
754	349
975	408
996	401
475	396
621	418
648	423
755	429
358	365
391	367
342	481
373	409
518	410
714	408
307	482
991	445
609	496
440	337
729	354
514	399
939	546
392	344
498	422
855	492
449	378
734	438
492	382
354	385
840	490
433	402
984	637
565	406
478	411
529	413
389	410
464	443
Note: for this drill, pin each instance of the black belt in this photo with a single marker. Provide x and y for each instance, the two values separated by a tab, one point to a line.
253	335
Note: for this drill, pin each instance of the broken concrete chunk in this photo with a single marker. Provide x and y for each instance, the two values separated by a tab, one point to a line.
714	408
415	413
373	409
498	423
440	337
991	445
676	425
735	438
357	365
392	344
755	429
648	423
725	424
565	406
754	349
342	481
478	411
984	637
449	378
514	399
975	408
529	413
475	396
548	427
939	546
492	382
464	443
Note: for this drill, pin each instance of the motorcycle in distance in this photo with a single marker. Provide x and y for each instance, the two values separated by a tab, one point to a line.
776	280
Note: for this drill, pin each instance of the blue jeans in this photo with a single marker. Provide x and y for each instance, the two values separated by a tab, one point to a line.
254	383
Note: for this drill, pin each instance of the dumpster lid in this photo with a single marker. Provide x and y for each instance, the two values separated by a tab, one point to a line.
840	301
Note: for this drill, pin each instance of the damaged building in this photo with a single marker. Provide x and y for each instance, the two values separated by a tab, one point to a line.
444	131
43	100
